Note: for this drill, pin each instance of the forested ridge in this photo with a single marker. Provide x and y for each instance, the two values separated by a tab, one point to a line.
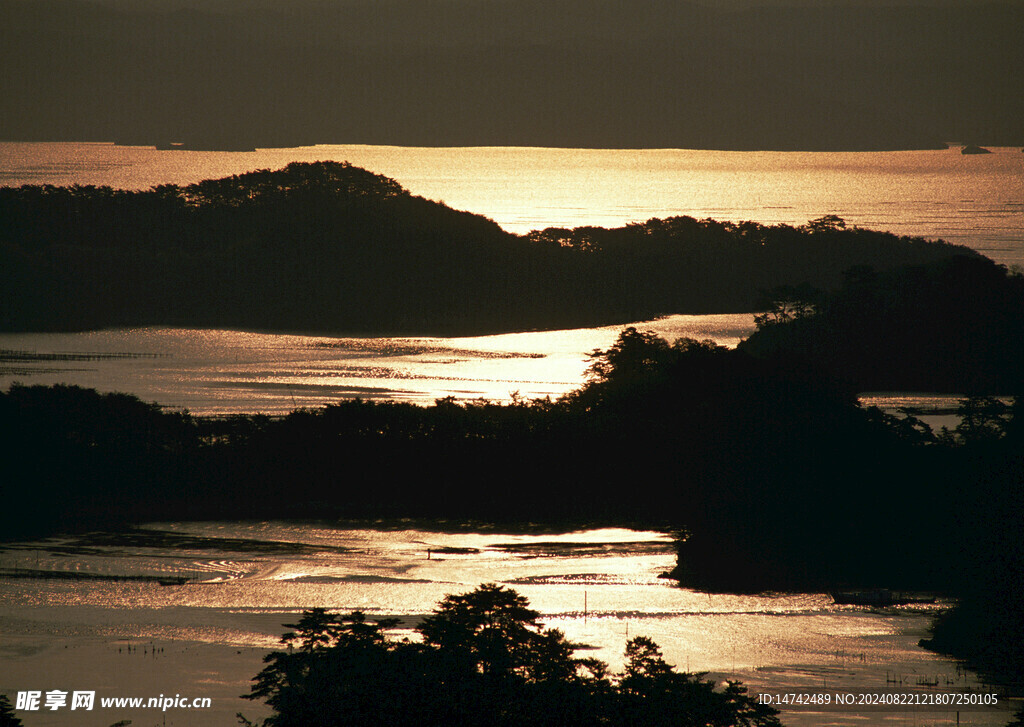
749	450
334	248
956	326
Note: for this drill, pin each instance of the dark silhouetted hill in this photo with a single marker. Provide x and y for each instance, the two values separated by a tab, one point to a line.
954	326
330	247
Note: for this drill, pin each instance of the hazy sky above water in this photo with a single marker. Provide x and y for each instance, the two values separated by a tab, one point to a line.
749	74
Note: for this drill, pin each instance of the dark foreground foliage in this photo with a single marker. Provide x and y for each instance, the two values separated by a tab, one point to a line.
483	659
7	716
331	247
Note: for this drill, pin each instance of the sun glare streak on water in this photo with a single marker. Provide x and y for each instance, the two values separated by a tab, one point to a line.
222	372
599	586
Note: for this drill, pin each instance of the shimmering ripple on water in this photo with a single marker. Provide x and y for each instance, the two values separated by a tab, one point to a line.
223	372
600	587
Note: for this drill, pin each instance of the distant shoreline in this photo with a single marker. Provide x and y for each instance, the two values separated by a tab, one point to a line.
246	147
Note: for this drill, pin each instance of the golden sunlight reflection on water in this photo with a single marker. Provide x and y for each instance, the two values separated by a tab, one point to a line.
220	372
599	586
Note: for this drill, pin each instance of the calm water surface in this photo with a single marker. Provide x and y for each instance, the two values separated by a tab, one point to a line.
216	372
599	586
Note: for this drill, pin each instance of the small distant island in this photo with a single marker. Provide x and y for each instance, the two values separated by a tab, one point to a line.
975	149
227	143
330	247
203	146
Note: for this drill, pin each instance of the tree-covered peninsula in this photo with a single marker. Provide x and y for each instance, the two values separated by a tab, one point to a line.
956	326
331	247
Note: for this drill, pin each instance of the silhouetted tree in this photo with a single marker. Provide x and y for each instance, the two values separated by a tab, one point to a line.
7	716
493	632
827	223
787	303
485	660
332	667
983	419
654	694
633	355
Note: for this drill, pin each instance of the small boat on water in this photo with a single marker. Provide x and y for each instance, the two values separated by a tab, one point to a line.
878	597
205	145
